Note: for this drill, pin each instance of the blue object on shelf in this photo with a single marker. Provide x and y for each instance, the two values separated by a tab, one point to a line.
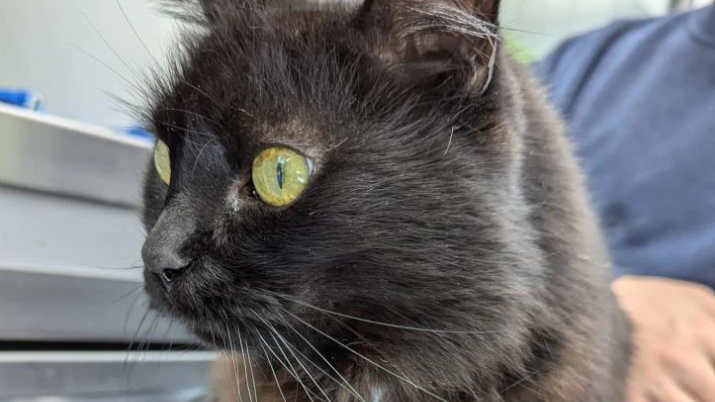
21	98
139	133
31	100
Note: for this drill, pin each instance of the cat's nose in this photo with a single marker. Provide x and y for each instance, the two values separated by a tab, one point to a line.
162	249
163	262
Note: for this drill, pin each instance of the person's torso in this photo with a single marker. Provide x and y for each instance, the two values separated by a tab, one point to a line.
639	99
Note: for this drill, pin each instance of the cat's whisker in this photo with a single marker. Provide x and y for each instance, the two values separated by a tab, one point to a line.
149	318
250	367
340	382
190	113
325	373
189	131
346	384
232	357
127	294
526	31
367	359
338	145
270	365
349	387
170	349
136	34
528	377
244	111
524	379
305	369
135	337
198	157
201	92
449	143
145	344
119	267
132	87
226	354
135	73
129	313
385	324
245	367
309	392
292	371
358	335
152	332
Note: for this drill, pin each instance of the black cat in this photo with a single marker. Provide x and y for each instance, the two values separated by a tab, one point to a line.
377	203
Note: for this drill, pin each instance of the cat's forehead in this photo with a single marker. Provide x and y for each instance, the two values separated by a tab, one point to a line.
276	83
299	131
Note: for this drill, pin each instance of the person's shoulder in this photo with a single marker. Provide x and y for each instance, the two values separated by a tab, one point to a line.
581	51
584	49
567	68
580	60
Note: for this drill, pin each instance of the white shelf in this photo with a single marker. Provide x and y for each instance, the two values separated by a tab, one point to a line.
103	376
70	234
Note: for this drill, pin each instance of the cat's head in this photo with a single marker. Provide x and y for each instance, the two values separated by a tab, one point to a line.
325	163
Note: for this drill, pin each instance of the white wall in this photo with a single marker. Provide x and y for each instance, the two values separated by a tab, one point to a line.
43	44
542	24
49	46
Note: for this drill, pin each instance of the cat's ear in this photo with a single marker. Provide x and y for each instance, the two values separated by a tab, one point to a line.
456	38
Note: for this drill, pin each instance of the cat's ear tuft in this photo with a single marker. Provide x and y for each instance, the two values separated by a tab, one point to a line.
209	12
454	38
202	12
212	8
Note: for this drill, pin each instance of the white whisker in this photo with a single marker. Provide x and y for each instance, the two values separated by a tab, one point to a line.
136	34
350	388
245	368
385	324
287	363
270	365
250	367
404	379
449	144
307	372
232	357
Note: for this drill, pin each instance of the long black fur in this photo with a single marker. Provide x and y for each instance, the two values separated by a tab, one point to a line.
446	216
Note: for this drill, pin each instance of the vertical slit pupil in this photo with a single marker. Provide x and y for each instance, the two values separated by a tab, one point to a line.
280	167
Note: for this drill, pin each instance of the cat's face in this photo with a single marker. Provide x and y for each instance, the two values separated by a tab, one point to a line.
312	163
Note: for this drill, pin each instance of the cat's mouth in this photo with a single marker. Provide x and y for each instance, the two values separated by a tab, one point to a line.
238	320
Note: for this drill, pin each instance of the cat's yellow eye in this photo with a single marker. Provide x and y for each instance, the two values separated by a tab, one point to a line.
280	175
162	162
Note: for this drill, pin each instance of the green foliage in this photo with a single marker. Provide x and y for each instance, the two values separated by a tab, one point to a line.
520	52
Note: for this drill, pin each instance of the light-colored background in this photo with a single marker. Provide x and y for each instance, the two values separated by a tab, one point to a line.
70	50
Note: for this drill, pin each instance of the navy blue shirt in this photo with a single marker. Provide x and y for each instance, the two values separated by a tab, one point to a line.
639	101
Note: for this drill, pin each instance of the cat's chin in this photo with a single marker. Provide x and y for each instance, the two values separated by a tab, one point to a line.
229	342
213	335
230	331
